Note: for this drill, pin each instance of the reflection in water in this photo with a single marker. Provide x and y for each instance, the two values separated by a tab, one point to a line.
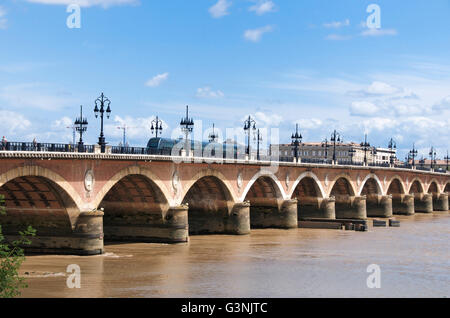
414	261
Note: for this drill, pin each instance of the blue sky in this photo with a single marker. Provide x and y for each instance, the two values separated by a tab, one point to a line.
284	62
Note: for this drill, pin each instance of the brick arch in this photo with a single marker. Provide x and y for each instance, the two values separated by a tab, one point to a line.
39	171
416	186
39	202
447	187
268	181
130	171
371	185
209	173
316	183
396	186
344	183
433	187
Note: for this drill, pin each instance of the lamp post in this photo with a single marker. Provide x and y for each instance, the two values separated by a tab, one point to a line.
249	125
432	157
102	101
412	155
366	146
446	159
258	138
296	140
81	126
335	137
187	126
124	136
213	137
156	127
392	147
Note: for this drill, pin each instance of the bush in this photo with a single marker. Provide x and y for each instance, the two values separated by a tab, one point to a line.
11	258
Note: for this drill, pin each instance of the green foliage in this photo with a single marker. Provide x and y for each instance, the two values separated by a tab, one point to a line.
11	258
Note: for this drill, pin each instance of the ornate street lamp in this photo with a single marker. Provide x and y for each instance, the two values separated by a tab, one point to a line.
81	126
366	146
187	126
213	137
412	155
335	138
156	127
296	140
392	147
102	101
446	159
258	138
432	157
249	125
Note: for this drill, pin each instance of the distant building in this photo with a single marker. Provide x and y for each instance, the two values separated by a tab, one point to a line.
426	164
346	153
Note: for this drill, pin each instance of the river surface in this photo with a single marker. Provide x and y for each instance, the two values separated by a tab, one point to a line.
414	261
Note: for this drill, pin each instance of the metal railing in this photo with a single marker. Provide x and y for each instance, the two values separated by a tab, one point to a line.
70	148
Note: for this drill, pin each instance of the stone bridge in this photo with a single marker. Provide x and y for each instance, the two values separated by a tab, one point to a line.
75	201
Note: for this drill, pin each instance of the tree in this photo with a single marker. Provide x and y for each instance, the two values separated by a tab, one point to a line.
11	258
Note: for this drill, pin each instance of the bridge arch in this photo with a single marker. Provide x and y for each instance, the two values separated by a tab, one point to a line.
371	185
262	178
209	202
396	186
312	177
433	187
40	202
447	187
130	171
342	185
38	171
416	186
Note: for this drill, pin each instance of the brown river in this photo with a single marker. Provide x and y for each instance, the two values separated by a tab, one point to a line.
414	261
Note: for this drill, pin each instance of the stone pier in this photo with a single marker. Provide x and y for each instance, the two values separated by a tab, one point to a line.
403	204
270	213
314	207
148	227
379	205
423	202
351	207
440	202
238	222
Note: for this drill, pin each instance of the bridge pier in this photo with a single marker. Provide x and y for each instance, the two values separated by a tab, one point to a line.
403	204
85	239
315	207
351	207
149	227
440	202
238	222
423	202
379	205
274	214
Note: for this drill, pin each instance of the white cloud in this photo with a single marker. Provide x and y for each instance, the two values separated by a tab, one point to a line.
380	88
443	105
312	123
3	20
363	108
207	92
87	3
378	32
262	7
220	9
13	123
255	35
268	119
157	80
337	24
